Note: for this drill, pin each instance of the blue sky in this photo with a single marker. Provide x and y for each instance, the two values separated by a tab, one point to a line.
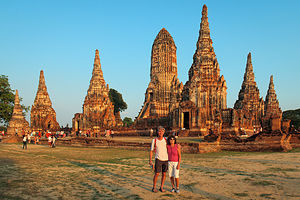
60	37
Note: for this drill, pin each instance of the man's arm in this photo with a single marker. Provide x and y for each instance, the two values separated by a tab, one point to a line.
150	158
151	152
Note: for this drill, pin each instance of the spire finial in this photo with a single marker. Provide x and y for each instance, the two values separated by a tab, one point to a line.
249	58
271	84
204	10
17	100
271	79
42	83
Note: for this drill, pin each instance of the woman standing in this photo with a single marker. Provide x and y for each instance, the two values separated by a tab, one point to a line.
174	155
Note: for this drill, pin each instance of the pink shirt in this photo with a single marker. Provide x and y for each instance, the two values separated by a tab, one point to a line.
173	153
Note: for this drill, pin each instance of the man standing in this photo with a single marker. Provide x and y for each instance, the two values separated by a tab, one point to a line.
159	145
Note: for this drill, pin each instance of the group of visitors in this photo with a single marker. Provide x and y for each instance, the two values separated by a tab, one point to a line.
167	158
51	141
90	133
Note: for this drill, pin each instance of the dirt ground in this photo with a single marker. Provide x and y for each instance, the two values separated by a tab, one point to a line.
41	172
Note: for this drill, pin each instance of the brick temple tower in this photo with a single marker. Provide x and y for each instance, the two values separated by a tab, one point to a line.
17	122
164	89
249	99
204	94
98	110
43	116
273	113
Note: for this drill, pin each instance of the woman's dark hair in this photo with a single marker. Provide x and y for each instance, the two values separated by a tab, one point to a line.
169	138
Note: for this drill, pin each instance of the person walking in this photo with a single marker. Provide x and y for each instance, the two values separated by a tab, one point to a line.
159	147
174	159
50	140
25	142
53	141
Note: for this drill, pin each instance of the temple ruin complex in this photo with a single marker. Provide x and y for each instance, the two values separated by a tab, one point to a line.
200	105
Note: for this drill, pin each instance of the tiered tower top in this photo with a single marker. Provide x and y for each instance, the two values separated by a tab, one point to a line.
205	64
97	83
42	97
163	57
271	103
249	94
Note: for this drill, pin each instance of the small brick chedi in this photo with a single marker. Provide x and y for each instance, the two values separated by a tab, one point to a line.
273	114
164	90
249	104
17	122
200	105
43	116
98	110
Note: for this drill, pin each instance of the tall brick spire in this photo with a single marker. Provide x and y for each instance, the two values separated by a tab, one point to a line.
272	108
98	110
249	74
205	64
205	89
249	98
42	96
97	83
43	116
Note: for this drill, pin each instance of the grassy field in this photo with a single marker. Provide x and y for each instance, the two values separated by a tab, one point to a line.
111	173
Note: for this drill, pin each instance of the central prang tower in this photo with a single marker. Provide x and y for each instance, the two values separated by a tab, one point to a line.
164	88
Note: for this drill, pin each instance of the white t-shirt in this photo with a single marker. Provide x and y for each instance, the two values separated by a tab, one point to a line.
161	152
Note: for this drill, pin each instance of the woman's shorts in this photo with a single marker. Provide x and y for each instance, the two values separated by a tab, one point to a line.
173	172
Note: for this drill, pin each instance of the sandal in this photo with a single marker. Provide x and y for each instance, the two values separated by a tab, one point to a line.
161	190
154	190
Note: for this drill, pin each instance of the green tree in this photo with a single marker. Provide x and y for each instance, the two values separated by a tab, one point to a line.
117	100
7	99
127	121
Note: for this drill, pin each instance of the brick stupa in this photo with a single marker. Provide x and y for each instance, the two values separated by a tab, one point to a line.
249	99
98	110
164	89
273	113
17	122
43	116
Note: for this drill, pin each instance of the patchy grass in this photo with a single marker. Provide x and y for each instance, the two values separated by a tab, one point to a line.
277	169
241	194
112	173
262	183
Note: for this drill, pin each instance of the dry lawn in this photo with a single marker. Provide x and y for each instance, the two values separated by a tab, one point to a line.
111	173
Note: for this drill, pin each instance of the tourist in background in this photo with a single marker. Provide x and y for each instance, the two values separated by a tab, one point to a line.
53	141
25	142
151	133
28	138
159	146
112	133
49	140
174	159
